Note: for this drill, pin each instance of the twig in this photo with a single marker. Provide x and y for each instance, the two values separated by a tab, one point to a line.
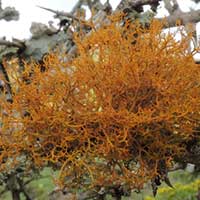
22	189
77	6
60	13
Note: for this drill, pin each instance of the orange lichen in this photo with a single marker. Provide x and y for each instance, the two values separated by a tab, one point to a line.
117	114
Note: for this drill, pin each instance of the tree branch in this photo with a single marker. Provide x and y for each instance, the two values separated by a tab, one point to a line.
134	4
15	43
184	17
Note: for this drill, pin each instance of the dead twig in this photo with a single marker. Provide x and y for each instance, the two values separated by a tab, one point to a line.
59	14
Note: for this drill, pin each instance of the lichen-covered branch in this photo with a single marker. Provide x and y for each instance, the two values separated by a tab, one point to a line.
15	43
184	17
45	35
